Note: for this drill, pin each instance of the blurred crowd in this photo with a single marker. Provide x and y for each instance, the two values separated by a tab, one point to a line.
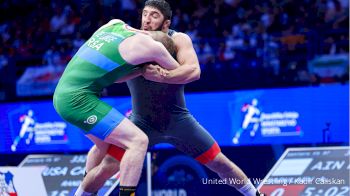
240	43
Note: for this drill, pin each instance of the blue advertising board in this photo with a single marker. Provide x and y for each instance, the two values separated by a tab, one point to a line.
256	117
36	127
275	116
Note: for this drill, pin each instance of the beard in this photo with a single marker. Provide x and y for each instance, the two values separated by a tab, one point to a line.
159	28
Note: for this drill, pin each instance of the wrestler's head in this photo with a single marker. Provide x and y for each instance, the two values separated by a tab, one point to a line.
165	39
156	16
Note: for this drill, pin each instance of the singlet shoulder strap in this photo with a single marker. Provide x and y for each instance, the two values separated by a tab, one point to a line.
171	32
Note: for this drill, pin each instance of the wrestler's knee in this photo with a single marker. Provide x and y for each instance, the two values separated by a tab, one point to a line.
140	142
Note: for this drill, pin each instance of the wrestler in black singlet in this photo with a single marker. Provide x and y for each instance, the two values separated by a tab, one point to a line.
160	111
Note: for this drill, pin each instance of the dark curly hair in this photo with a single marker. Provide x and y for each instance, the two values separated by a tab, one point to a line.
162	6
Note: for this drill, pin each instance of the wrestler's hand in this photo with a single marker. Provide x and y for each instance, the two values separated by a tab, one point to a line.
154	72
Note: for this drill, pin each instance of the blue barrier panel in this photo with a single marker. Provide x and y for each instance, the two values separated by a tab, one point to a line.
256	117
275	116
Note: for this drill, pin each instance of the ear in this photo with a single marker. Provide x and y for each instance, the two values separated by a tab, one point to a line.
166	24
